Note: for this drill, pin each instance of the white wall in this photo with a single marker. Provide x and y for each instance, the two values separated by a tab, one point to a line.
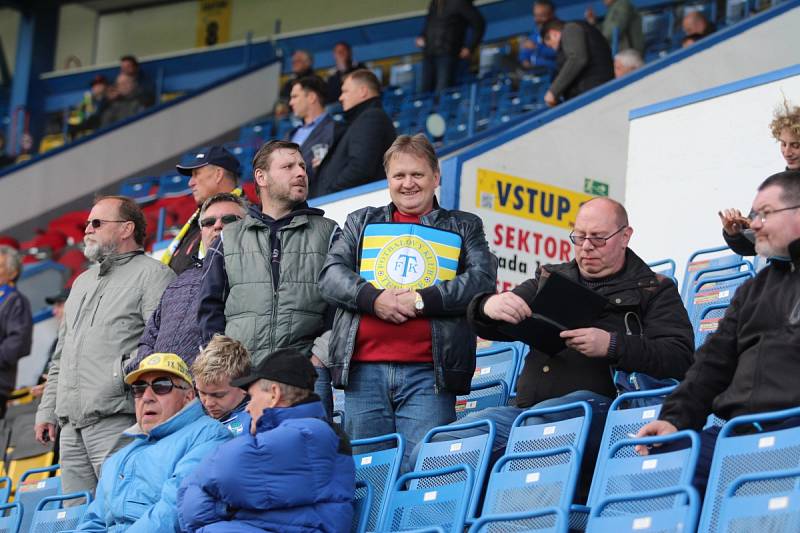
687	163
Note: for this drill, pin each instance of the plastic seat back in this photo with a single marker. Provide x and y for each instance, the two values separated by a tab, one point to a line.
708	322
362	504
51	516
30	493
763	502
612	514
499	362
378	470
11	518
550	520
483	395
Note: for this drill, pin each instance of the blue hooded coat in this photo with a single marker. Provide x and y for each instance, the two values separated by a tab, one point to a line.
294	475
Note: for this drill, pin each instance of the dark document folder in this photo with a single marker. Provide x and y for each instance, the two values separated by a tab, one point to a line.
560	304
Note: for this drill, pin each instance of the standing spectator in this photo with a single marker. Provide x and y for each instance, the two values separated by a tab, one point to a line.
443	41
16	323
293	471
343	57
695	26
302	66
104	317
173	327
260	277
355	158
138	490
222	361
145	91
622	18
583	58
401	348
785	128
532	51
626	62
126	103
315	135
214	171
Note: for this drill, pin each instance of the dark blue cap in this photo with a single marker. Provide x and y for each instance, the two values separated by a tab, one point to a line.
215	155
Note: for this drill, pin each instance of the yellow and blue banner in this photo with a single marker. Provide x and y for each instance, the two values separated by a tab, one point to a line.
408	256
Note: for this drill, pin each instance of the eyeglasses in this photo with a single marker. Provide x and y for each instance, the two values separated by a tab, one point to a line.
597	242
226	219
97	222
160	386
762	215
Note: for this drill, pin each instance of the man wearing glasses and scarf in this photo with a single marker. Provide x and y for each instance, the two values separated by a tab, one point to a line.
139	487
104	317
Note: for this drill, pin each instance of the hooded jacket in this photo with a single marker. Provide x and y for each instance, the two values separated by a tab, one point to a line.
294	475
138	486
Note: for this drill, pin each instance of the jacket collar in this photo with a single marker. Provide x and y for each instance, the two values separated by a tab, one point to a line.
351	114
429	216
107	264
791	262
297	217
273	417
190	412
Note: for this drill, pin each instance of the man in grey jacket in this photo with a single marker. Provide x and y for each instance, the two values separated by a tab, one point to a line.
104	317
402	276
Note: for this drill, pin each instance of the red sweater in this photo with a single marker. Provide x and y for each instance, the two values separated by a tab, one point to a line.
383	342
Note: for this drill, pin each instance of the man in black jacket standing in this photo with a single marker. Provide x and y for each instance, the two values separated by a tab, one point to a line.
748	365
443	40
583	59
357	154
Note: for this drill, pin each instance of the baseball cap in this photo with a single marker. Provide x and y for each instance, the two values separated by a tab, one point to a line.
287	366
161	362
58	298
215	155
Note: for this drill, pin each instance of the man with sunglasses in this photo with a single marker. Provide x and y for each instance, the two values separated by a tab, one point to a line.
138	490
643	328
749	364
173	327
104	316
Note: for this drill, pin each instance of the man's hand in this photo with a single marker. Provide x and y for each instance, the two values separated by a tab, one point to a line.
464	53
590	16
45	432
316	361
407	301
37	390
550	99
733	222
390	308
591	342
507	307
527	44
656	428
420	42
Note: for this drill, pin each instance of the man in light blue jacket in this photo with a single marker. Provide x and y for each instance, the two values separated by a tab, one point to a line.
138	486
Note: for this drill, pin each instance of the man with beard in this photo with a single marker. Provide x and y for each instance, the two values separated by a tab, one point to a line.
104	317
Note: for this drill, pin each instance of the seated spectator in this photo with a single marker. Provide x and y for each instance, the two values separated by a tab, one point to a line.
221	361
356	157
644	327
626	62
293	472
695	27
173	326
144	91
315	135
785	128
747	365
583	59
621	17
343	56
16	323
91	108
138	486
302	66
532	51
126	101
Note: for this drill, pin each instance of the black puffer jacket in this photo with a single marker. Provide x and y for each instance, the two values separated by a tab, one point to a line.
664	350
750	364
445	303
16	335
446	27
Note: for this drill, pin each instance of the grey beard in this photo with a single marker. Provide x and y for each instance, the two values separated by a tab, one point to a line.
98	252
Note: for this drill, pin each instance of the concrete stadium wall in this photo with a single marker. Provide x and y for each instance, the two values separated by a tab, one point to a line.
693	156
89	165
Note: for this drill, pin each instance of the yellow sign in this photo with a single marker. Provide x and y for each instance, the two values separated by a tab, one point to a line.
213	22
527	199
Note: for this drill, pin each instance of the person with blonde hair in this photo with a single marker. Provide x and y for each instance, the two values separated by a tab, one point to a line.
221	361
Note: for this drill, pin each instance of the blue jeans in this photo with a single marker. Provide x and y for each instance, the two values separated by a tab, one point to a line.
399	398
323	389
503	418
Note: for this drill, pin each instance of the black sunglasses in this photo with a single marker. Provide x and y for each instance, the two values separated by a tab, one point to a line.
97	222
160	386
226	219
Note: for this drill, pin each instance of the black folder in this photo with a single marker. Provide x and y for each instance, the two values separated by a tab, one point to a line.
561	304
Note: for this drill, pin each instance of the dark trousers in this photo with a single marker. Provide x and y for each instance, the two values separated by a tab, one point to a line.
438	72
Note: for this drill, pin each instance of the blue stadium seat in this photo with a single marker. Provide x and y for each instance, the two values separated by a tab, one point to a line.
142	189
663	266
11	518
173	185
426	504
657	30
256	134
482	396
762	502
473	451
379	470
29	495
244	153
607	517
708	322
499	362
5	490
362	505
550	520
736	455
714	291
57	517
708	258
404	75
532	90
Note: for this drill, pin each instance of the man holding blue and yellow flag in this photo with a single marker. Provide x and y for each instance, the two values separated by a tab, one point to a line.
402	276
